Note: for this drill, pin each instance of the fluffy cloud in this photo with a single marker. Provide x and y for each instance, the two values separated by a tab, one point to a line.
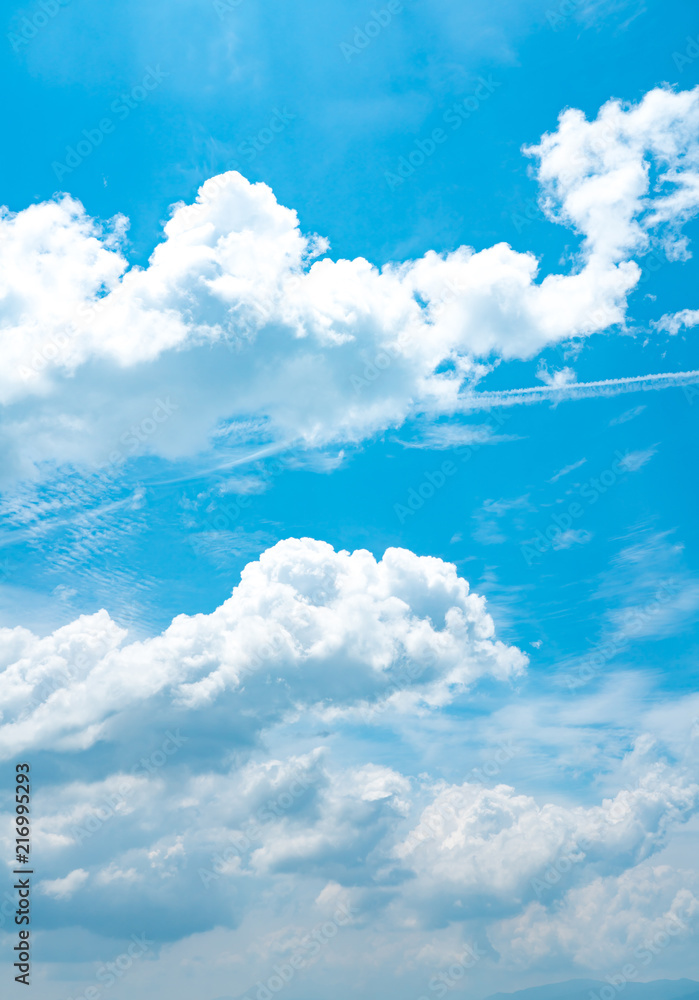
307	625
598	176
64	888
196	848
234	329
475	844
672	323
613	921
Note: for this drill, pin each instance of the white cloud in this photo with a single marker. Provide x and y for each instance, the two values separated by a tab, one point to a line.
672	323
573	536
635	460
233	329
320	626
612	921
556	379
596	175
473	842
64	888
485	400
627	415
568	468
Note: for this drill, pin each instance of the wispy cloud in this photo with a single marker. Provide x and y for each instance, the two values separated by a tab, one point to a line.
627	415
576	390
635	460
568	468
442	436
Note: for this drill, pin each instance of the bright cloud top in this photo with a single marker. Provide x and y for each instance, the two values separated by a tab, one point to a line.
238	323
307	625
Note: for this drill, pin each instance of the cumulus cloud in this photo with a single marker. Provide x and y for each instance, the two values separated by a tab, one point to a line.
473	843
236	328
195	848
306	625
628	918
597	175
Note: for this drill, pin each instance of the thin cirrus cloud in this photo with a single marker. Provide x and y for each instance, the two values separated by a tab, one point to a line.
236	327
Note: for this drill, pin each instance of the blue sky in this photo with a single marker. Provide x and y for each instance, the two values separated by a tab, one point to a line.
275	522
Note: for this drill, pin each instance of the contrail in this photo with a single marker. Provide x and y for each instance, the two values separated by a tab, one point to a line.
575	390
